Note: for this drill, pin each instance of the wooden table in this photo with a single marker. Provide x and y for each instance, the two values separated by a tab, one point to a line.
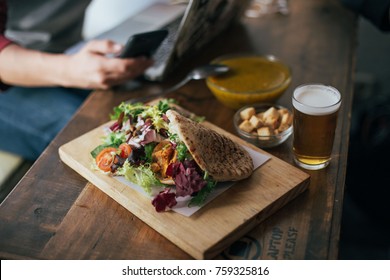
53	213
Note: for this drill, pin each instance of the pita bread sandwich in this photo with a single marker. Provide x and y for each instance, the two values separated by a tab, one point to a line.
169	154
216	154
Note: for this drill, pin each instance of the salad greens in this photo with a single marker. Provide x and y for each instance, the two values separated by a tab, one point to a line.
141	175
164	171
113	139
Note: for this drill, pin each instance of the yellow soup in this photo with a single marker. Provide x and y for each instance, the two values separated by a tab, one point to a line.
251	79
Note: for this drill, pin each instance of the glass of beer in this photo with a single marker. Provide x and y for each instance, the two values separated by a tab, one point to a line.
315	119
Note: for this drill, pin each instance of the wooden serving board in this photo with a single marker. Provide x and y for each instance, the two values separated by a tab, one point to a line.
216	225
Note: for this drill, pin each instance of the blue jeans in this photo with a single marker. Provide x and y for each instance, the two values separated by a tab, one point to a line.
31	117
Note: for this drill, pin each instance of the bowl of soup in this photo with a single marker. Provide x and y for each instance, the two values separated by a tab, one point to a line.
251	79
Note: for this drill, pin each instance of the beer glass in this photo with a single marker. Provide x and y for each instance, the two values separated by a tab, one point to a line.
315	118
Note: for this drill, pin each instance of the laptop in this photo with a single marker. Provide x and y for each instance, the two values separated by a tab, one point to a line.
191	26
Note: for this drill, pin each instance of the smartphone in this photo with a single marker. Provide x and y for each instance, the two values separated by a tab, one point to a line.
143	44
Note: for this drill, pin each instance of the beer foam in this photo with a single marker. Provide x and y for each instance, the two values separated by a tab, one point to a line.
316	100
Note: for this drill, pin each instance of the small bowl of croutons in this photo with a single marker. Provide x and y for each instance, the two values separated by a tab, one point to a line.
264	125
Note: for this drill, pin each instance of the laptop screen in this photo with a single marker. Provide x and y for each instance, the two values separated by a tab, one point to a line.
202	21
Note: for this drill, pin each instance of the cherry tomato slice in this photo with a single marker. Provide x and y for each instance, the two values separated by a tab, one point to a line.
125	150
105	158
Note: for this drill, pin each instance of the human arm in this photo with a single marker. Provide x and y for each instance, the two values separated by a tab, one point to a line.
89	68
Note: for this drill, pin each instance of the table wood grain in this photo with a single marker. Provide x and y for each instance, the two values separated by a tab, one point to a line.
53	213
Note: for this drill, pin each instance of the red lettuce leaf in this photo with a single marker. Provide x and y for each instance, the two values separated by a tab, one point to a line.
164	200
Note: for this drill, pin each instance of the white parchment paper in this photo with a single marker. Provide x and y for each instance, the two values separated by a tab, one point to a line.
258	160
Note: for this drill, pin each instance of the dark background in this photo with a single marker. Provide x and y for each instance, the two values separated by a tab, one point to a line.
365	229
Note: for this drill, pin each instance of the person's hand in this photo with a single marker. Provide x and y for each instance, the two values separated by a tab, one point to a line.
91	68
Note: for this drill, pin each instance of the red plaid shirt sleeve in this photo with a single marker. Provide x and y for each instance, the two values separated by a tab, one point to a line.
4	41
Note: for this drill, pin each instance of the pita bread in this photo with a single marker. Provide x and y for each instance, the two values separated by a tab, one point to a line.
223	159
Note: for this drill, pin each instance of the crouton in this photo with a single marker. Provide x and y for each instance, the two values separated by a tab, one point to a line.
286	119
272	122
264	131
256	122
283	127
246	126
271	113
247	113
